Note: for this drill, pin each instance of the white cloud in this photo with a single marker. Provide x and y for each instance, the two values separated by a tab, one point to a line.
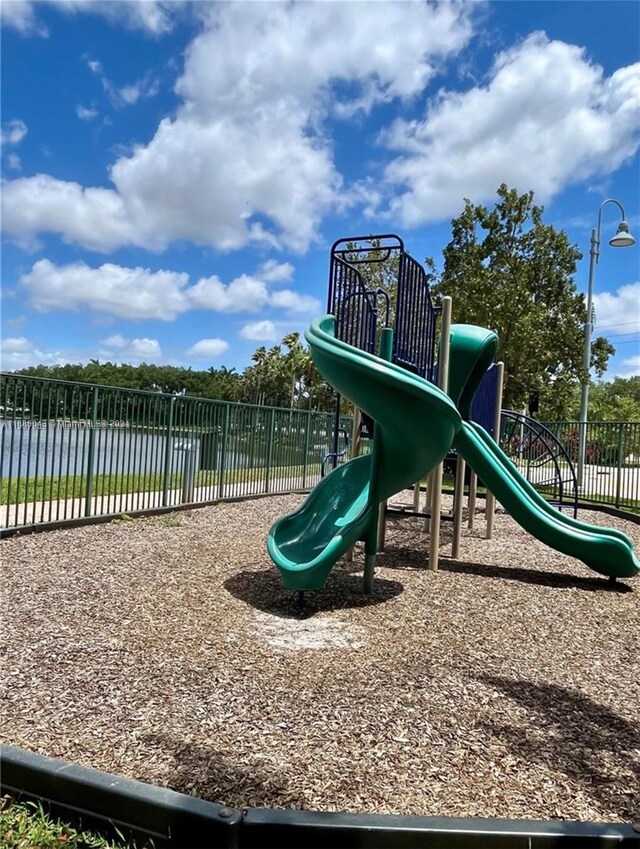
13	132
132	293
14	162
84	113
618	312
18	321
244	294
118	348
547	118
151	16
631	366
273	271
116	341
96	218
246	159
139	293
259	331
207	349
127	95
294	302
20	15
17	352
145	349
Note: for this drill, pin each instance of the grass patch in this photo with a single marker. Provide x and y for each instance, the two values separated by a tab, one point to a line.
25	825
26	490
170	522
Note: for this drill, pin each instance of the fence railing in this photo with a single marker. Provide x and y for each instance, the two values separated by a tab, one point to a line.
541	458
71	450
611	472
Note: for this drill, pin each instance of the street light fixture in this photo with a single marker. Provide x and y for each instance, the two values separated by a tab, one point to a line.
622	239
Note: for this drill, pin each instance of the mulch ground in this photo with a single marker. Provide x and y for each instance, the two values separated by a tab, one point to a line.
165	649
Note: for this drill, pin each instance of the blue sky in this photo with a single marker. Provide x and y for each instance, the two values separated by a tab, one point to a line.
175	173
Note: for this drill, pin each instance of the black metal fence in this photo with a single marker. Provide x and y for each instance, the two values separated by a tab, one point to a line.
72	450
611	473
415	321
352	305
364	269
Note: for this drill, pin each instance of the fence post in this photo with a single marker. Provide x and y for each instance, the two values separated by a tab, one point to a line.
270	437
620	462
188	473
91	452
307	437
168	443
223	452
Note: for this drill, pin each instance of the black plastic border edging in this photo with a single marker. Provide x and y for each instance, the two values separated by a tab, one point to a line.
175	820
101	800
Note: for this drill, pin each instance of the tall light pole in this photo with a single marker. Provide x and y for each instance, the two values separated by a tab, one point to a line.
622	239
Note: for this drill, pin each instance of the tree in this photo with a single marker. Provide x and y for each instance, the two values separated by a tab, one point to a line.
614	401
286	380
507	270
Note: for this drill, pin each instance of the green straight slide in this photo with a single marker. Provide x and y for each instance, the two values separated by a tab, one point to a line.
415	426
604	550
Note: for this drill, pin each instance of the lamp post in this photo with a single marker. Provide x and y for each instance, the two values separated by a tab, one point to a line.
622	239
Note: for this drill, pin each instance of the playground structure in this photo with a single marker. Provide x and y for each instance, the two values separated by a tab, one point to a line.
222	693
416	424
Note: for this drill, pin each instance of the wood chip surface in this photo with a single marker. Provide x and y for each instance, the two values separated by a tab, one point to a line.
165	649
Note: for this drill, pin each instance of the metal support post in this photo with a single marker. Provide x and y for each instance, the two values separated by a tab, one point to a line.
473	491
458	500
490	503
435	481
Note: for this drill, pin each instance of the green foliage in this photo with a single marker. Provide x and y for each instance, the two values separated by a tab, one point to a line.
171	522
286	380
507	270
26	826
614	401
274	379
224	384
618	400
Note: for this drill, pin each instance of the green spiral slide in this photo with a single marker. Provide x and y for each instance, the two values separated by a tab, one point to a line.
415	426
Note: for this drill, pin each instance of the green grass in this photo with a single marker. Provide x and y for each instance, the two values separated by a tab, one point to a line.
25	825
26	490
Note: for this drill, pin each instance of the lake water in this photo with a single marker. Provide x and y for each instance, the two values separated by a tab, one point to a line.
56	450
59	451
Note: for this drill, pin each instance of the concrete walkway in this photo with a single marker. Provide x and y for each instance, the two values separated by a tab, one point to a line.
41	512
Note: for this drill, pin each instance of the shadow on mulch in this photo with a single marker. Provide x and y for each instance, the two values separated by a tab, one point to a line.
577	736
558	580
202	772
263	591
